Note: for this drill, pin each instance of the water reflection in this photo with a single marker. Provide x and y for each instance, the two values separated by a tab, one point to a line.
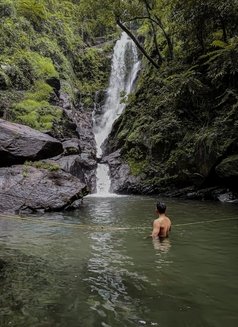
162	245
114	287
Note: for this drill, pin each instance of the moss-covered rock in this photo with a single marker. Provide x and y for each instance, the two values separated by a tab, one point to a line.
228	168
43	50
173	132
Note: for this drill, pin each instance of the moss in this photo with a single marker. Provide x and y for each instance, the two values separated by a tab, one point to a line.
37	114
136	167
40	40
42	165
7	9
41	91
49	48
93	68
25	171
32	10
43	67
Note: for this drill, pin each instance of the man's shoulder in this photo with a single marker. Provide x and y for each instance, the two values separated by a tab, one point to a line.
157	221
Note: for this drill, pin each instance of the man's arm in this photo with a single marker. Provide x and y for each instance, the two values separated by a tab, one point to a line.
156	229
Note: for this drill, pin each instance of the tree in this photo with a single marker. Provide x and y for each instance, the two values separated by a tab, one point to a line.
124	13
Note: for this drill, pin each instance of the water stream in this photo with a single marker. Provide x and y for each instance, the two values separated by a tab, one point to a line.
124	69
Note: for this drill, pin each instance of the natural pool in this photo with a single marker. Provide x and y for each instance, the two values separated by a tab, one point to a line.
79	269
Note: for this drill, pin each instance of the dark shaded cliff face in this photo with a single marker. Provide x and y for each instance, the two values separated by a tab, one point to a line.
177	137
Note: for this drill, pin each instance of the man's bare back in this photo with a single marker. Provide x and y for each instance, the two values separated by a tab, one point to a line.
161	225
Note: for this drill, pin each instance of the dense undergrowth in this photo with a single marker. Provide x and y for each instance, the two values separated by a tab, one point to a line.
182	120
47	45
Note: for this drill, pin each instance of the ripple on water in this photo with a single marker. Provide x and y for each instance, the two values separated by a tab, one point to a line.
60	275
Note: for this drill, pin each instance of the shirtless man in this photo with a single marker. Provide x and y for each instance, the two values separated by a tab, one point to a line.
161	225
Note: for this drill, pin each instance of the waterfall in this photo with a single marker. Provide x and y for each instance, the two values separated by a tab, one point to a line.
124	69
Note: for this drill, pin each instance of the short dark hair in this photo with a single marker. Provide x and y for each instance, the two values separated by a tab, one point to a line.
161	207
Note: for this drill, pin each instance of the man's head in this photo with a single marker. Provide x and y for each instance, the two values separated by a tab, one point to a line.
161	207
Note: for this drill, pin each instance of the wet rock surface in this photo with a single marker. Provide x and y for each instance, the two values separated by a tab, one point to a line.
28	189
87	159
19	143
78	166
121	179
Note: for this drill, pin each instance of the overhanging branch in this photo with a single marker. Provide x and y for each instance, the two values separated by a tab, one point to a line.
137	43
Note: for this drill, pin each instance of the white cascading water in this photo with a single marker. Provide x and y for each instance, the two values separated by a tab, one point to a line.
124	69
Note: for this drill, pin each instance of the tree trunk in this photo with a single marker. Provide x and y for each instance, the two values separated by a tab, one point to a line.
134	39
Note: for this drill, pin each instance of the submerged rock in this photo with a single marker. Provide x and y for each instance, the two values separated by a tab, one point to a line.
25	188
228	197
228	168
19	143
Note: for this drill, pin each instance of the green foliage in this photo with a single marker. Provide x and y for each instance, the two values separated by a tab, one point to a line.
37	114
4	80
15	35
40	92
6	9
219	44
136	167
24	67
94	69
42	67
222	63
32	10
25	171
44	39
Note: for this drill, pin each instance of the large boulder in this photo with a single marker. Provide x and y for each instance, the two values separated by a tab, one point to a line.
227	171
79	166
228	168
71	164
26	188
19	143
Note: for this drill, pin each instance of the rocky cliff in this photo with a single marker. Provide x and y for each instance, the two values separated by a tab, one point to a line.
178	134
54	70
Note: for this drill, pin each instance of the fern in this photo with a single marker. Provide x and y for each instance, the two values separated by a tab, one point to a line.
223	62
32	10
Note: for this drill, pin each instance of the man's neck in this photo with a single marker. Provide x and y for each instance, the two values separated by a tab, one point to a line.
161	215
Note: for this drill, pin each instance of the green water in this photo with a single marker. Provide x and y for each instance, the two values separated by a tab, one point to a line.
77	269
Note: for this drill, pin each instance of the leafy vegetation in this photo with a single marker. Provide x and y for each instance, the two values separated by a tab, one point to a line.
41	40
182	119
